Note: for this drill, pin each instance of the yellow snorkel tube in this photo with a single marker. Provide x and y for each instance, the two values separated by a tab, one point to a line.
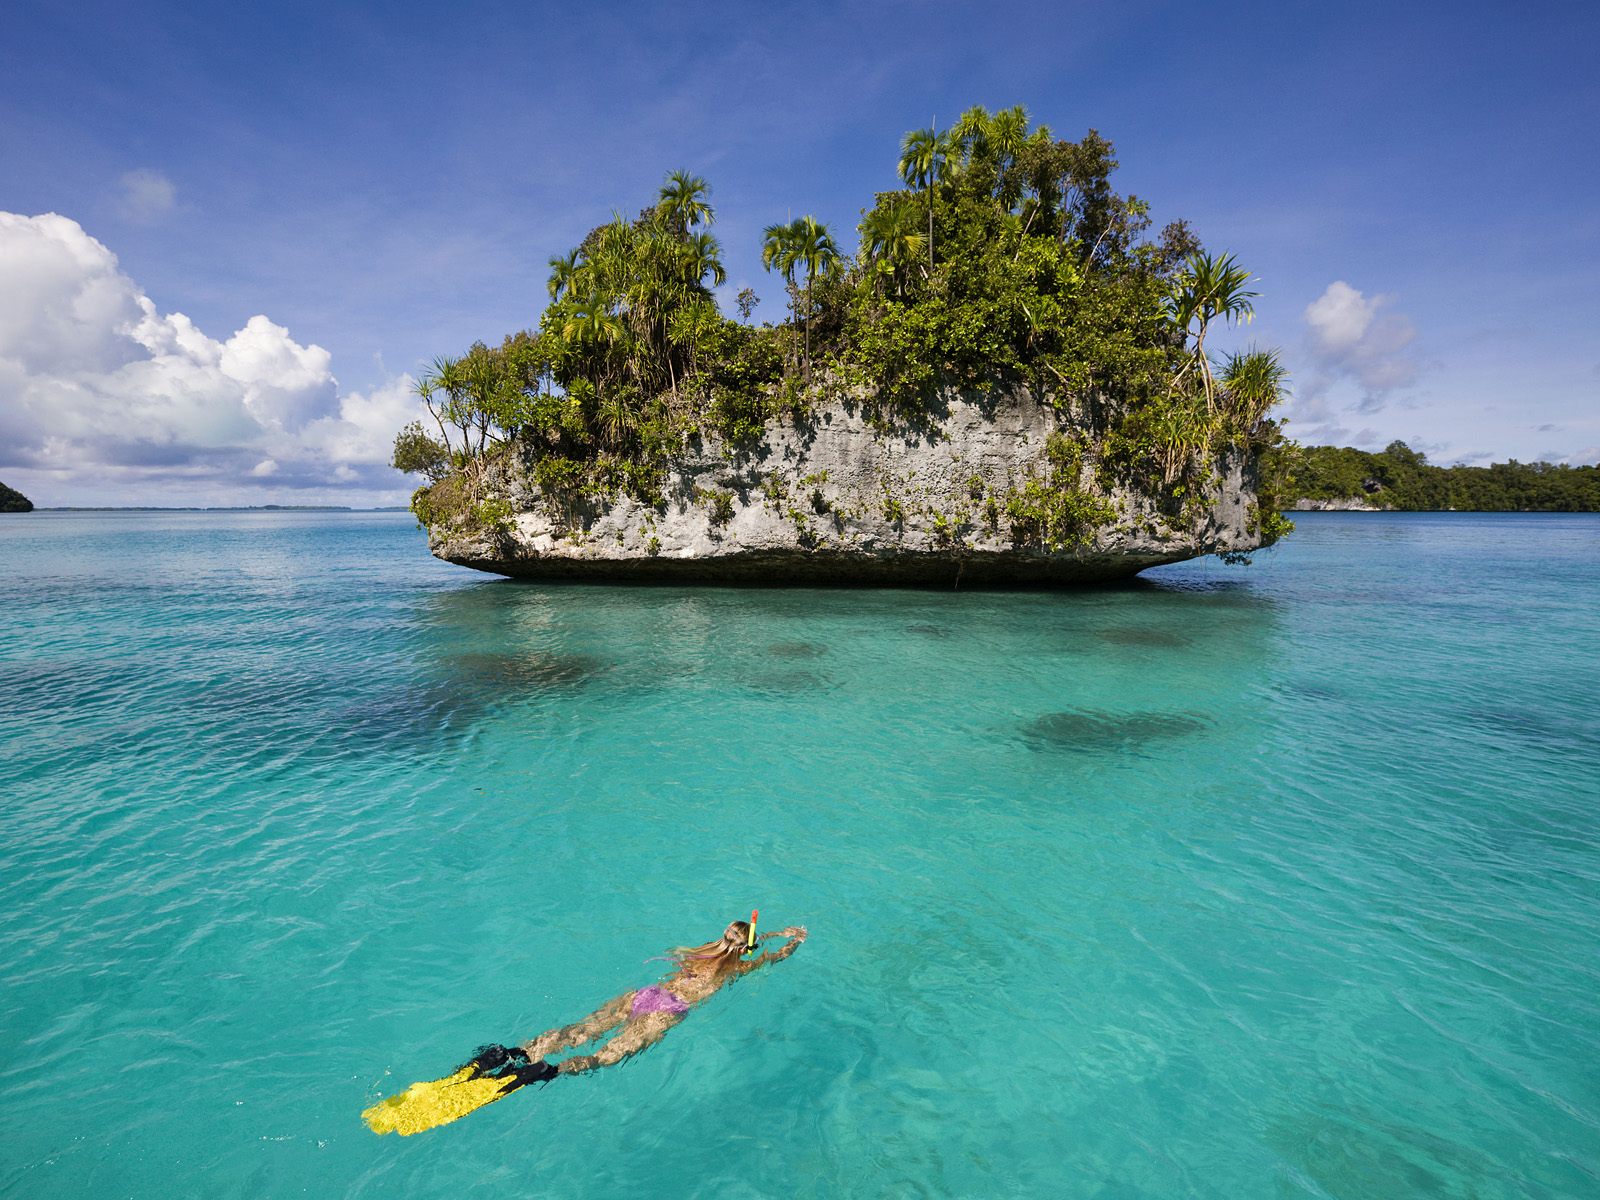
750	943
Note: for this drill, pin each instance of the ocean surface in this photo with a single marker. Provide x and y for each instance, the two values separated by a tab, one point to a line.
1266	881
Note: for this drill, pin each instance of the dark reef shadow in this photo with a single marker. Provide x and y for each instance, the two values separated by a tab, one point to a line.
1545	731
796	650
788	684
1133	635
1093	731
457	690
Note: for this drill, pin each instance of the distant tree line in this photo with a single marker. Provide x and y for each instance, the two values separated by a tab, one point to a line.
1401	478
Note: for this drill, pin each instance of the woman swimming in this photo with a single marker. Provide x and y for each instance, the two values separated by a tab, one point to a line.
647	1014
640	1017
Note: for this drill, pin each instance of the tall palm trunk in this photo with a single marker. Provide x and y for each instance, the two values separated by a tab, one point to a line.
808	328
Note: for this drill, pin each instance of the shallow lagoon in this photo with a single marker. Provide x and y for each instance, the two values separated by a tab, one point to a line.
1267	881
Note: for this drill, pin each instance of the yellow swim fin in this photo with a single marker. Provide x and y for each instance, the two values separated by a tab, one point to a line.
493	1074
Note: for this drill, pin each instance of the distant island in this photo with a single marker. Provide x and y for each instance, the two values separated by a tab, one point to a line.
1008	382
1401	479
13	501
208	508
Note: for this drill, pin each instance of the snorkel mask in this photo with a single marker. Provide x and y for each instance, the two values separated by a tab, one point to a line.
750	942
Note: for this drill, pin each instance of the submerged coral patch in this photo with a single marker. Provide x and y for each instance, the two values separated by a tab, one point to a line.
530	669
796	650
1092	730
1134	635
792	682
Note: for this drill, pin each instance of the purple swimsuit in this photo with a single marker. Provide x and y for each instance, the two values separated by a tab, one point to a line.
656	998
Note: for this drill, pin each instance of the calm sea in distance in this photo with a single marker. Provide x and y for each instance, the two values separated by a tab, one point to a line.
1267	881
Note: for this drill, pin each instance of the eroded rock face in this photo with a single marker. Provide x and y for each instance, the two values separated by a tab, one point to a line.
1343	504
841	503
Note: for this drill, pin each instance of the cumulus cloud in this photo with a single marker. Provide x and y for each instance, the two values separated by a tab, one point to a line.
92	376
147	195
1355	337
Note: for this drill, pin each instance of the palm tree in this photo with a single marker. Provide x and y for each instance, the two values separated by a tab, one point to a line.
890	235
592	326
804	242
563	268
684	198
924	162
1254	381
778	254
705	258
1208	288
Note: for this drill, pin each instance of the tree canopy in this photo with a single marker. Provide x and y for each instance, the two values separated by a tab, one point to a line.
13	501
1007	260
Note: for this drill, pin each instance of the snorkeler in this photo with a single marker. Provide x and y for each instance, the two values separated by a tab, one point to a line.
641	1018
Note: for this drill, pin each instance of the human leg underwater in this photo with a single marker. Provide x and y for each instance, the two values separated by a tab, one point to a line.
567	1037
639	1033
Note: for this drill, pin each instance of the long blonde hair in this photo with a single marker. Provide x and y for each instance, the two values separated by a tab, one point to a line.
727	949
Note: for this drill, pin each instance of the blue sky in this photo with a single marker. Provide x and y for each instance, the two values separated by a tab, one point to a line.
1415	186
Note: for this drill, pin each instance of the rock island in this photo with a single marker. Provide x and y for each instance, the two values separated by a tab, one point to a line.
1007	383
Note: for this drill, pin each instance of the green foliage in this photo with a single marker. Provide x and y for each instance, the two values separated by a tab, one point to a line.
721	505
416	452
1057	512
442	504
1401	478
1269	524
494	516
1057	518
13	501
1008	260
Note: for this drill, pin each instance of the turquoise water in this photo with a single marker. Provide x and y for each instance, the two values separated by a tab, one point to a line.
1275	881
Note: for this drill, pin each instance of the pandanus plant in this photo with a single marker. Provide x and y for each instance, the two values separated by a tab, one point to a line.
1253	382
1208	289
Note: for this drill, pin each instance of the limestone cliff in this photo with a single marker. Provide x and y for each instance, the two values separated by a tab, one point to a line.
834	500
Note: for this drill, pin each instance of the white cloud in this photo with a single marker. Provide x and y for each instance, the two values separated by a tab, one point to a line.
1353	337
94	382
147	195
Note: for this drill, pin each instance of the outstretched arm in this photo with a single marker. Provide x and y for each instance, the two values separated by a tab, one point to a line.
795	933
